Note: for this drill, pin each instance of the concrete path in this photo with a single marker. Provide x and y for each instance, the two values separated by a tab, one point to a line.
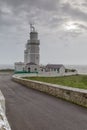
28	109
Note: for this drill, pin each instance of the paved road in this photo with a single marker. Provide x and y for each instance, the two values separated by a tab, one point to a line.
28	109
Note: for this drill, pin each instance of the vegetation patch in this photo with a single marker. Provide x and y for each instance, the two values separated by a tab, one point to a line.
6	70
77	81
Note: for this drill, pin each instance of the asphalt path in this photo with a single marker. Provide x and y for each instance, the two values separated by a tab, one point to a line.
28	109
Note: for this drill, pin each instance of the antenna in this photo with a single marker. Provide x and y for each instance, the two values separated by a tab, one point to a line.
32	28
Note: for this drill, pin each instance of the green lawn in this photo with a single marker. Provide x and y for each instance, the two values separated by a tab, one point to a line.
78	81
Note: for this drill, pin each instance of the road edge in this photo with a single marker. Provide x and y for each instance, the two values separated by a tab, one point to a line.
74	95
4	125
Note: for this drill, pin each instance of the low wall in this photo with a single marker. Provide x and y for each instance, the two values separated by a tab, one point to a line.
4	125
77	96
45	74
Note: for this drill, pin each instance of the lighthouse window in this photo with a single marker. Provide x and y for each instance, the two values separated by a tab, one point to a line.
58	69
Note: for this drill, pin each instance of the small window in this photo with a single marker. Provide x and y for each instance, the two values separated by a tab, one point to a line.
35	69
41	69
57	69
54	69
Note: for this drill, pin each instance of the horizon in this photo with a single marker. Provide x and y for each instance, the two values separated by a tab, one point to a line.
49	63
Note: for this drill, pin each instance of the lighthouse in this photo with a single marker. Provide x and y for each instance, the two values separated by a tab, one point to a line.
31	53
31	62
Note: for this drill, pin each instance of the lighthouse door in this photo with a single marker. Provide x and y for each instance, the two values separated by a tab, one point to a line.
29	69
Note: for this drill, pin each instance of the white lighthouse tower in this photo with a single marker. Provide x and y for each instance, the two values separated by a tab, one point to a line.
31	53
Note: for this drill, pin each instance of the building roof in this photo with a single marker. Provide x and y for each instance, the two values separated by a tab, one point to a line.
31	63
56	66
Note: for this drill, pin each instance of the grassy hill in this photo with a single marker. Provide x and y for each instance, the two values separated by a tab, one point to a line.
78	81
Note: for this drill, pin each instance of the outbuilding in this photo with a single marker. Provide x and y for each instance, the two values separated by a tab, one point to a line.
59	68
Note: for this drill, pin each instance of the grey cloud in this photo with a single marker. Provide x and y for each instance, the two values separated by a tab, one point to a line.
26	10
74	13
43	12
6	20
36	6
49	16
84	4
56	22
83	26
42	4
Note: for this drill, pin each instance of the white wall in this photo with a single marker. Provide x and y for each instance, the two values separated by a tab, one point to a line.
32	68
19	67
62	70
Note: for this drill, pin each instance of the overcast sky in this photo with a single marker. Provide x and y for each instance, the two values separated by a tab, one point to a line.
61	24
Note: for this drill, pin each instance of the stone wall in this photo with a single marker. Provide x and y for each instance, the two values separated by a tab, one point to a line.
77	96
4	125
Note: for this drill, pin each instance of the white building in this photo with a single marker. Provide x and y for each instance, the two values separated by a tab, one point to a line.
32	67
19	66
31	54
59	68
31	62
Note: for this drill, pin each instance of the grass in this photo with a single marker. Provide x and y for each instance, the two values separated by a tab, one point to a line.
6	70
77	81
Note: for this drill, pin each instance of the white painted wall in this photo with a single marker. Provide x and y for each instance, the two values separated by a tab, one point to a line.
31	53
19	66
62	70
32	68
